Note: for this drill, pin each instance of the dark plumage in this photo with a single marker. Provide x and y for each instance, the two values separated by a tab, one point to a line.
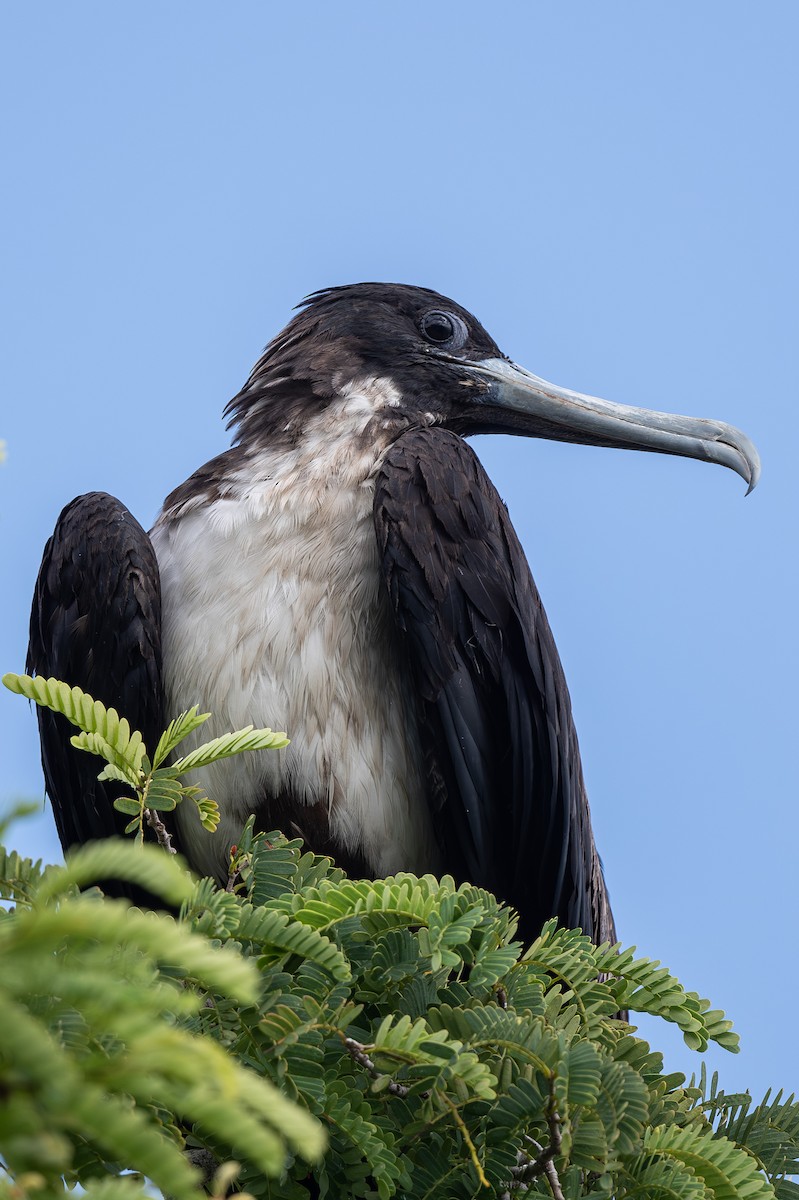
501	753
99	629
348	570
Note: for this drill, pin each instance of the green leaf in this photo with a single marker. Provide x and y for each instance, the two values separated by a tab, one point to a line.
229	744
209	812
729	1172
94	743
176	731
126	751
126	804
666	1179
162	792
112	773
274	931
147	866
584	1074
19	877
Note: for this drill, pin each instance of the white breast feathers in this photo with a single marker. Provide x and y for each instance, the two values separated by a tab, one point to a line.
274	614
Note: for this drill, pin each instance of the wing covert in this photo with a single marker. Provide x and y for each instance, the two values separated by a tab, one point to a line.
503	763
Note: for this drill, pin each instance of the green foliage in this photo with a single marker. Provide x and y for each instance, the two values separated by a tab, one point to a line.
99	1066
400	1016
397	1022
769	1130
157	788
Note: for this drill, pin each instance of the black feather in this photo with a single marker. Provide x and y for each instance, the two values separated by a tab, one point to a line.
503	762
96	624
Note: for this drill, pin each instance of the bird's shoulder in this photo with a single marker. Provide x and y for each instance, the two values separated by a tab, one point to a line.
208	483
445	534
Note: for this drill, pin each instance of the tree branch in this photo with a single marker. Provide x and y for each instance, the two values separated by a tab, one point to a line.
161	832
529	1168
357	1052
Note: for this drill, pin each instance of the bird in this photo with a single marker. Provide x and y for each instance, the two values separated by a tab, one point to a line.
348	572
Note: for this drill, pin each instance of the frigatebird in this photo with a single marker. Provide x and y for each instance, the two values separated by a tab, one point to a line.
347	571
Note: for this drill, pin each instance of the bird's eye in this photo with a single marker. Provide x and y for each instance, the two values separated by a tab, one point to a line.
444	329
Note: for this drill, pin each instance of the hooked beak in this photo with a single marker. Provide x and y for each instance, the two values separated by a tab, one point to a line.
533	406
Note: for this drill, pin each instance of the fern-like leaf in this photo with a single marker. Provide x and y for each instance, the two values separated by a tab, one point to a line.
726	1170
90	715
229	744
126	765
176	731
19	877
277	936
147	866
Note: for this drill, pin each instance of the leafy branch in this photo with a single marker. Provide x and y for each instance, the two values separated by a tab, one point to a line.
442	1058
157	788
97	1060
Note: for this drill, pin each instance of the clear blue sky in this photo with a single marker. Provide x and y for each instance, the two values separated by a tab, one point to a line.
612	189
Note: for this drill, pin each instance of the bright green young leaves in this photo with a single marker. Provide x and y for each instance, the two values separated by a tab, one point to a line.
157	788
99	1064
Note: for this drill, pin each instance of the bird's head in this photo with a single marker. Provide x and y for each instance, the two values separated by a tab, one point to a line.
443	367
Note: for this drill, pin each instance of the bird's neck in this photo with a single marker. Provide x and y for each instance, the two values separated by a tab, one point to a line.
338	447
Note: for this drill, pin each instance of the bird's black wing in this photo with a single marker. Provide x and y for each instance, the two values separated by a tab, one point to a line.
96	624
503	763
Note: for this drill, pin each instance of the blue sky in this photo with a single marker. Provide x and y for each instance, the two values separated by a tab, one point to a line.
612	189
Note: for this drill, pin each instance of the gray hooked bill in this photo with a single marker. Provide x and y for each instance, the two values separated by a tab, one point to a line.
543	409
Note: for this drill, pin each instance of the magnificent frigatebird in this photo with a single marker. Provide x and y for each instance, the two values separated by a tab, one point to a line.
348	572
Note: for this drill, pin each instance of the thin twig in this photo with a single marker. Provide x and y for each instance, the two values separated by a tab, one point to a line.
459	1121
357	1052
161	832
543	1164
235	868
554	1182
